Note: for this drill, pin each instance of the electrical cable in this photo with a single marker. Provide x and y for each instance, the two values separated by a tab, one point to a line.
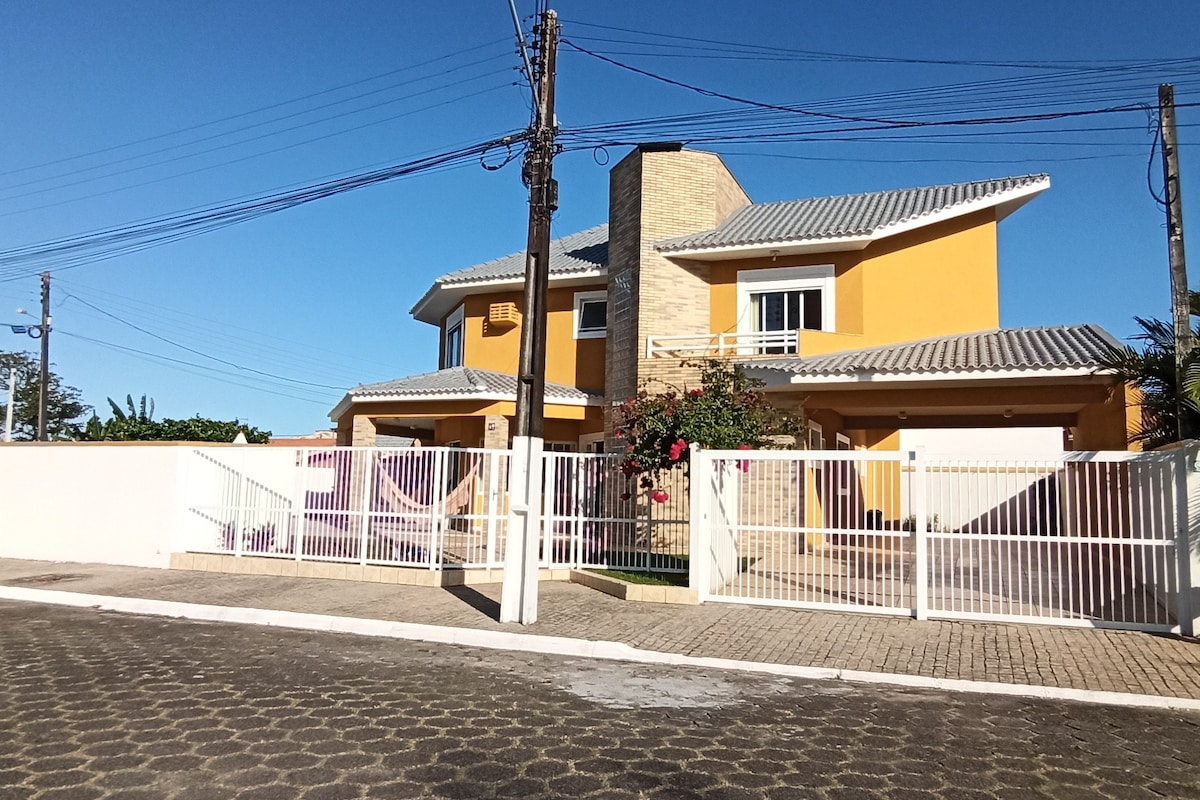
218	165
955	98
831	56
248	140
729	97
199	352
1162	201
179	362
221	333
833	134
252	112
73	251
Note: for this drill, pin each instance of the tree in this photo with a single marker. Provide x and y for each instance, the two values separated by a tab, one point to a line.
64	407
122	426
1150	368
727	411
138	412
138	425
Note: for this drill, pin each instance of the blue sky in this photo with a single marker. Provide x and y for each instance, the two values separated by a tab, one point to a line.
119	112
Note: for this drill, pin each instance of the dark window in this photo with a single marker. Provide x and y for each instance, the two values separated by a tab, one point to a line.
593	316
799	309
454	347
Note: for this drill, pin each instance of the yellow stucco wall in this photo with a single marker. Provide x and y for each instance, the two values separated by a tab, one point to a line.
467	431
569	361
936	281
1107	424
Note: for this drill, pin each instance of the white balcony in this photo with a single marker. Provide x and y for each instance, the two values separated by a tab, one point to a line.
715	345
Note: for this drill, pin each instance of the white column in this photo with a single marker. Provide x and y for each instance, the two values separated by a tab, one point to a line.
518	597
918	486
700	489
1187	543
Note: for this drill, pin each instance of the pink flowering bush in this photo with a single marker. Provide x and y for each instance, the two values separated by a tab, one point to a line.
728	411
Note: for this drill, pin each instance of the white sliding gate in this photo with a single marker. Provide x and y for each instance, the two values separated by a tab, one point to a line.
1080	539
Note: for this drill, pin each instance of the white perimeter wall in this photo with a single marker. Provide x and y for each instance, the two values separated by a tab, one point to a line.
130	504
959	500
991	441
109	504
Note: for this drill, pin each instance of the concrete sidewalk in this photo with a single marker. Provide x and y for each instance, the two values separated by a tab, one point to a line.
1031	655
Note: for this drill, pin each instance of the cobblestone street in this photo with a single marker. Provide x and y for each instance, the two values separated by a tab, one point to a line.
96	704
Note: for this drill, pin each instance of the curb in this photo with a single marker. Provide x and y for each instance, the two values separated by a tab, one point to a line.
564	646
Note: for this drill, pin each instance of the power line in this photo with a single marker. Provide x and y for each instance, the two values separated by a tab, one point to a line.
819	55
1055	91
201	353
582	140
222	333
247	140
857	160
231	162
252	112
875	123
181	363
73	251
722	95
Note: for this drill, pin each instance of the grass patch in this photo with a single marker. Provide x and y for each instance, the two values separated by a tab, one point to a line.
645	578
655	561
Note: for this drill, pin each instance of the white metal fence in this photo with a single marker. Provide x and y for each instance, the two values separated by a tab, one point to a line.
434	507
1086	538
1083	538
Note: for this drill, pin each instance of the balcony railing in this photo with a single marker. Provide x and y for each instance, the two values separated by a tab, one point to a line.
724	344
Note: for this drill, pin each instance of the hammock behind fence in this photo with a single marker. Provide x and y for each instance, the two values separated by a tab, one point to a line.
456	501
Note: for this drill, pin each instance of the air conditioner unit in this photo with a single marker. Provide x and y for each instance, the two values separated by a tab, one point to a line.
503	315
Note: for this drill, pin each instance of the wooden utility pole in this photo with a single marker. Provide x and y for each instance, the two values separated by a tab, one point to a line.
519	595
537	173
44	375
1180	303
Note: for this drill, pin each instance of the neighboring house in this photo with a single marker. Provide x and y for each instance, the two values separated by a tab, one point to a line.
876	312
314	439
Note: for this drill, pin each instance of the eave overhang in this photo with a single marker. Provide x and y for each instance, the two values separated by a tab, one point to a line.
1005	204
440	299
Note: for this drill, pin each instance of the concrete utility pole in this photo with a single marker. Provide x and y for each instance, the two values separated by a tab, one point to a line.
44	376
1180	303
519	595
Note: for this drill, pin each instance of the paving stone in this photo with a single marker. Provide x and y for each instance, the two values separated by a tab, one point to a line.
405	719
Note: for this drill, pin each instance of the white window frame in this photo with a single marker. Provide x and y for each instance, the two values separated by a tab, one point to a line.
815	428
589	297
786	279
456	319
587	440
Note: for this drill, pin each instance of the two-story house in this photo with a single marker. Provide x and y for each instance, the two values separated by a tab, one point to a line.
875	312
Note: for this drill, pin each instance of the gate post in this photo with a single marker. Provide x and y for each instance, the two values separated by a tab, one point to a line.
1187	537
365	503
917	486
519	593
700	483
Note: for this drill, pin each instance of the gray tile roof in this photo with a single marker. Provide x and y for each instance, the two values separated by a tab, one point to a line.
1058	347
465	381
389	440
585	251
850	215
